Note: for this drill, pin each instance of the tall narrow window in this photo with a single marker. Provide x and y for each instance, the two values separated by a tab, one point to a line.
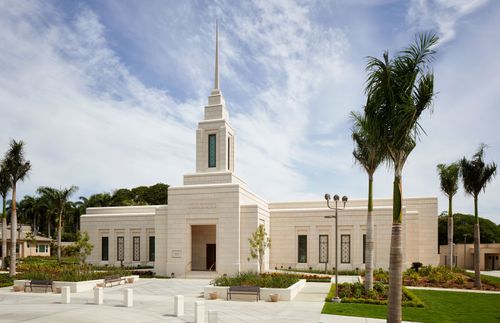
228	153
323	248
136	254
104	248
302	256
345	248
152	248
364	248
212	150
120	248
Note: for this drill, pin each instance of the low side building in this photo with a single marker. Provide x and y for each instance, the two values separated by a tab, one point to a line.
27	244
489	257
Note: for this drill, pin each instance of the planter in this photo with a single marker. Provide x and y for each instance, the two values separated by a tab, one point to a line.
17	288
213	295
58	290
274	297
130	280
285	294
99	285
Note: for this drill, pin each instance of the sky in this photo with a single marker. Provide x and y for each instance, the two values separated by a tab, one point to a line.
107	94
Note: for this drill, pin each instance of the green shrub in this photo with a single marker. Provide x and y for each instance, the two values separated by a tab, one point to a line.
6	280
269	280
356	293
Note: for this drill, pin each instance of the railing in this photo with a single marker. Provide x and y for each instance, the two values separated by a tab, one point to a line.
213	265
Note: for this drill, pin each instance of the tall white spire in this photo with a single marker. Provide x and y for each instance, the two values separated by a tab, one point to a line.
216	79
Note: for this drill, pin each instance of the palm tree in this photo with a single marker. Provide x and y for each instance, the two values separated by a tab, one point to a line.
448	177
400	90
369	153
58	199
17	168
4	190
476	174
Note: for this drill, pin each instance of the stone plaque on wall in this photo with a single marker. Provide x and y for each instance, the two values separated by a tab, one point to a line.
176	253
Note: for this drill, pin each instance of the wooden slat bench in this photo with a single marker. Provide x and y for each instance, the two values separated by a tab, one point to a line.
39	283
113	279
245	290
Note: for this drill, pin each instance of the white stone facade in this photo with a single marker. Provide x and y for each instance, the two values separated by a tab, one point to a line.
216	209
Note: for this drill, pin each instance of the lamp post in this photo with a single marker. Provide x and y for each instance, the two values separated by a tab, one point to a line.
336	198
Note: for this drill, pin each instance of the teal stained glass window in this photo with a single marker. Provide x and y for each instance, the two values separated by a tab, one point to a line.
211	150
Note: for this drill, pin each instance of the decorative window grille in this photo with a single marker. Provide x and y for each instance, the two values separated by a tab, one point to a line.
212	145
136	249
323	248
302	256
120	248
345	248
104	248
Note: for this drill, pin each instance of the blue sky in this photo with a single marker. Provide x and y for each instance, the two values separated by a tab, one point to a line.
107	94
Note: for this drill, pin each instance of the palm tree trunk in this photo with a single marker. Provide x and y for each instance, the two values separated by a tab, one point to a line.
450	233
396	255
477	242
4	234
369	237
59	238
13	237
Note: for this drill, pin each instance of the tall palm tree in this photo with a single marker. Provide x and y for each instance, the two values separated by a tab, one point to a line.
4	190
448	177
476	174
400	90
369	153
17	168
59	198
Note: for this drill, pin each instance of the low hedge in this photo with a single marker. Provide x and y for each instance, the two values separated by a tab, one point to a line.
356	293
267	280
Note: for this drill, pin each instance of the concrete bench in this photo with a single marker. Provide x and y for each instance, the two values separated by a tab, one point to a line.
244	290
39	283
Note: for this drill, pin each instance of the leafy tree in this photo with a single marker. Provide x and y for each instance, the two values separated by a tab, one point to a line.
157	194
4	190
369	154
259	242
399	91
99	200
17	168
59	199
83	246
476	174
464	225
448	178
122	196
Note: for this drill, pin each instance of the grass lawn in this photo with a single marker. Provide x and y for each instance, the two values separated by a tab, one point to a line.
439	307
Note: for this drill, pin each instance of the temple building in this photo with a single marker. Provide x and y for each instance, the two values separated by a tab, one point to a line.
209	219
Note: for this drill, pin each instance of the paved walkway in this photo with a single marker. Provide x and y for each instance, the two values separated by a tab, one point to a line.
153	302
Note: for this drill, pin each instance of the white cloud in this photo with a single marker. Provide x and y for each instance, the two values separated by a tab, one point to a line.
441	15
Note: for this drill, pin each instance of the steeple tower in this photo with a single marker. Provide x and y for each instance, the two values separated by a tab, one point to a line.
216	78
214	137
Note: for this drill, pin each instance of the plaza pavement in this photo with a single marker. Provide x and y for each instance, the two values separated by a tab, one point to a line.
154	302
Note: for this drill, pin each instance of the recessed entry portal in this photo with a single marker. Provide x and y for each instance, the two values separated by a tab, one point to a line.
203	247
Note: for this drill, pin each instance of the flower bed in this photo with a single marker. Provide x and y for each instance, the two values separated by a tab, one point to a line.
65	272
356	293
269	280
437	276
6	280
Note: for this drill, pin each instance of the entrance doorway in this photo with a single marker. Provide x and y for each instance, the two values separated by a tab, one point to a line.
203	247
211	256
492	262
